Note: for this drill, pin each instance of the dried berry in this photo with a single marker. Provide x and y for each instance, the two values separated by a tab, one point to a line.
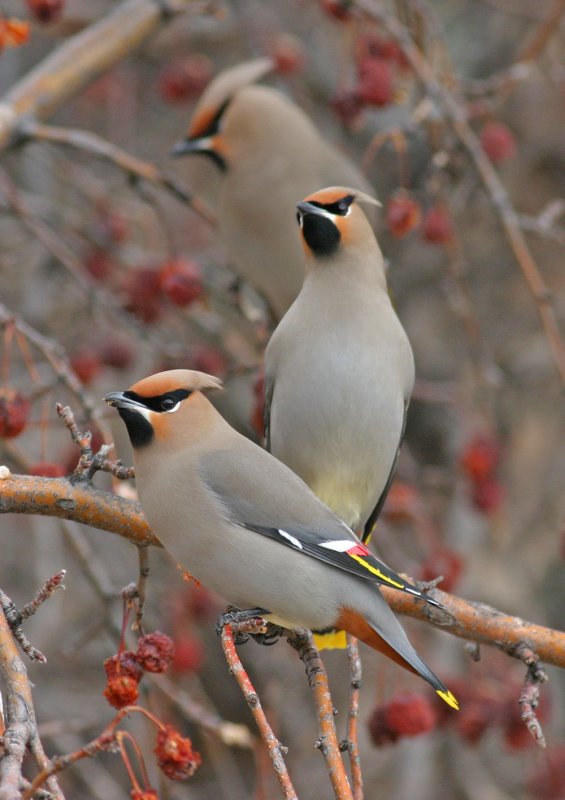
155	651
46	10
47	469
408	714
379	730
436	226
498	141
185	78
144	794
14	412
480	457
181	281
403	213
175	755
375	84
124	663
479	712
122	690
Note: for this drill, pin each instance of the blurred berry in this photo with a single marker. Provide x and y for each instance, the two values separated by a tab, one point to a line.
258	413
375	83
480	710
98	264
122	690
436	226
547	779
142	294
402	503
185	78
206	358
46	10
408	714
288	54
488	495
338	9
403	213
181	281
116	352
189	654
86	364
480	457
144	794
155	651
13	32
14	412
47	469
446	562
175	755
498	141
347	106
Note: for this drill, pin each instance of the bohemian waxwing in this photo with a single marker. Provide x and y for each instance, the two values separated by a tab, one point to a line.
270	154
246	526
339	368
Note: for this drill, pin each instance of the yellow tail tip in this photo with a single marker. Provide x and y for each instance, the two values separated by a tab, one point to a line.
449	698
332	640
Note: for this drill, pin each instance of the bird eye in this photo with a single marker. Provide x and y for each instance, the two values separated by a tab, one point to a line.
343	206
167	404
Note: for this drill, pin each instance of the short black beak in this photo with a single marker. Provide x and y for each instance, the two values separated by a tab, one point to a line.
305	208
118	400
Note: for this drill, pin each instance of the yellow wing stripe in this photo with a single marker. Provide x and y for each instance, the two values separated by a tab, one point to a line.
449	698
376	571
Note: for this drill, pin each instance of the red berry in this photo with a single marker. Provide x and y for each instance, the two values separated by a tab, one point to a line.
185	78
142	291
498	141
488	495
443	562
124	663
122	690
379	730
375	84
144	794
403	214
98	265
189	654
547	780
288	54
87	365
410	714
479	711
46	10
155	651
347	106
480	457
402	503
46	469
436	226
338	9
181	281
14	412
206	358
175	755
117	353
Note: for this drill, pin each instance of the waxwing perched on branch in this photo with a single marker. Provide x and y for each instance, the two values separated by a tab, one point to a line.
270	154
339	368
246	526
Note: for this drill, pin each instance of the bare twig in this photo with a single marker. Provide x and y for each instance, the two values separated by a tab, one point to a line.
274	747
529	696
133	167
328	744
351	743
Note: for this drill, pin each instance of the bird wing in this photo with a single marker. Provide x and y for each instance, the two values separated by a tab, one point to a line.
375	513
263	496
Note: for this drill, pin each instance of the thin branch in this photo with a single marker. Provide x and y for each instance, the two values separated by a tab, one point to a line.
328	744
273	745
134	167
351	743
529	697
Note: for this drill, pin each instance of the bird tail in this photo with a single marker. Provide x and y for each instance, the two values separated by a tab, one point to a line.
330	639
384	633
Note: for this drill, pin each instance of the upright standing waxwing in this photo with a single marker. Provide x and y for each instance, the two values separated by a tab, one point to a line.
270	154
339	368
245	525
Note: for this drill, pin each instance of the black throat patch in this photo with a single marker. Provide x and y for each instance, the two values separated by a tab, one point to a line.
320	234
140	430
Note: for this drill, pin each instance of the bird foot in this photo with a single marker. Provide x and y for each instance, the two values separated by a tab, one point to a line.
241	619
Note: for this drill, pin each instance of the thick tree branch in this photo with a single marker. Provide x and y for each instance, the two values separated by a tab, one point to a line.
82	502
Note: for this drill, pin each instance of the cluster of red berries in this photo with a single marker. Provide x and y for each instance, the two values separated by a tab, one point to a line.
155	652
404	214
479	461
408	714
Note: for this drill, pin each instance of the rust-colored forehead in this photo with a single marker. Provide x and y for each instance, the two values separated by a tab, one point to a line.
201	121
168	381
330	195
